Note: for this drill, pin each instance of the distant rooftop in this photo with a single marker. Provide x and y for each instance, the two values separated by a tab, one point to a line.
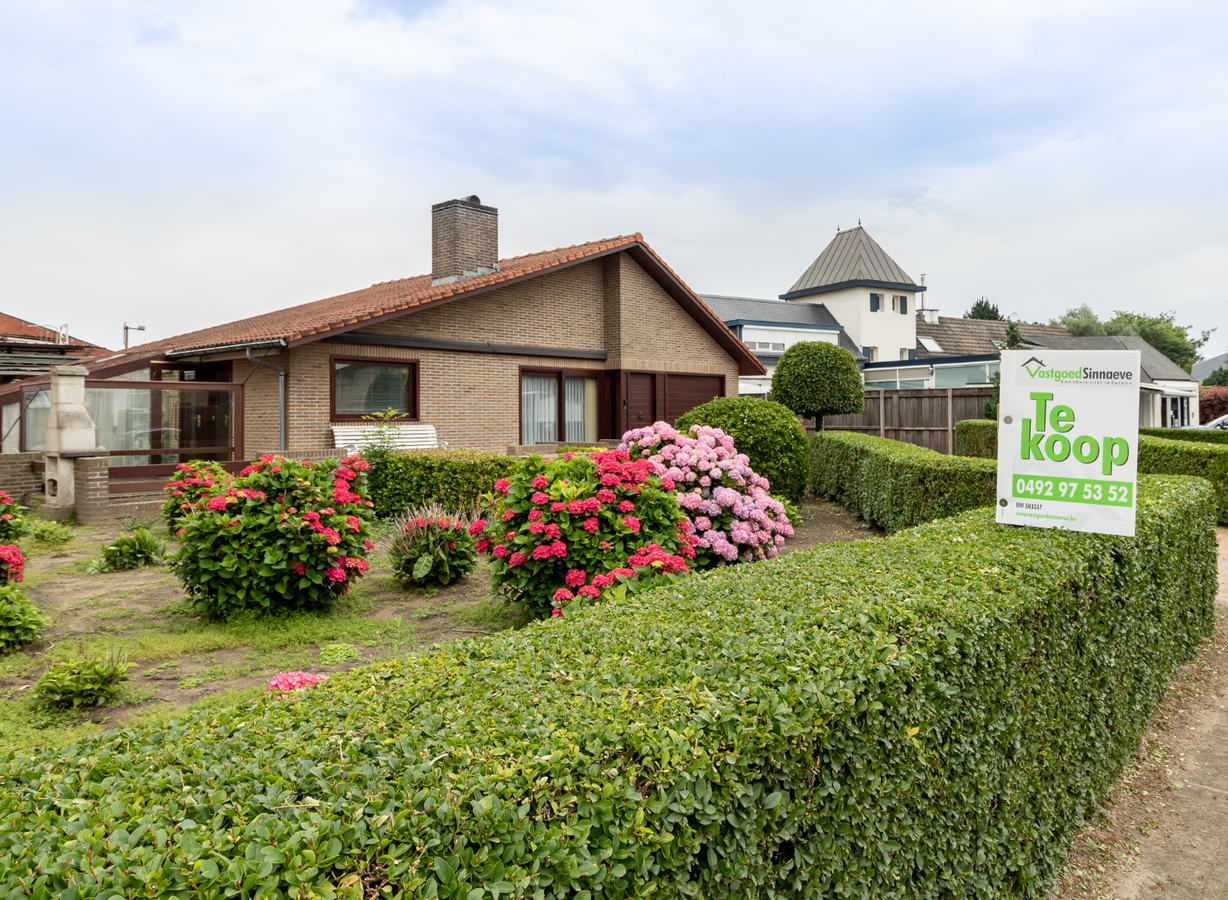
852	258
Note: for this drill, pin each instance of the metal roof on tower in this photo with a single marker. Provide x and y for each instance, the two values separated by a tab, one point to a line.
852	259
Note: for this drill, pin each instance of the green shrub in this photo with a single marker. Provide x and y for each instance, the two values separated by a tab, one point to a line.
1212	403
133	551
1159	456
1197	435
768	433
83	681
977	437
925	716
894	485
455	479
432	546
286	535
50	534
817	379
20	620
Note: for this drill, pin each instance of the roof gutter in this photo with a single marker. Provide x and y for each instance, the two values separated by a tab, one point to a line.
281	396
226	348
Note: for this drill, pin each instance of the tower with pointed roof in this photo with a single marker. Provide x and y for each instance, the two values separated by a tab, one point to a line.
867	291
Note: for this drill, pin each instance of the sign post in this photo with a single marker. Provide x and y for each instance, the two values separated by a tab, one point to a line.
1068	439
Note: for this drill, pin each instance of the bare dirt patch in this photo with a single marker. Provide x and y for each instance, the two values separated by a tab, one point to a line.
1163	833
824	522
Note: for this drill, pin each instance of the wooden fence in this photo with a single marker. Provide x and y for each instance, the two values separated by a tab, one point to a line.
925	417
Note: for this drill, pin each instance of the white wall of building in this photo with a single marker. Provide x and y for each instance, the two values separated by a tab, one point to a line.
888	330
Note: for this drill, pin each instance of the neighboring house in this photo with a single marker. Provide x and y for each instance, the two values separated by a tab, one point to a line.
1201	371
866	291
769	327
575	344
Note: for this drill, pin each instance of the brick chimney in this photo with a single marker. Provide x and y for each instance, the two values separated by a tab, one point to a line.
464	240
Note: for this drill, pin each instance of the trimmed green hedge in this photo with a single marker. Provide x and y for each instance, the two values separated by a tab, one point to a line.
895	485
928	715
977	437
768	433
1157	455
454	478
1197	435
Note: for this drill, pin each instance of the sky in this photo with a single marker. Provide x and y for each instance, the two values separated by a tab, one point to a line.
179	165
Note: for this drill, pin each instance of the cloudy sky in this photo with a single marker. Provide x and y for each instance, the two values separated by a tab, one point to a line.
178	165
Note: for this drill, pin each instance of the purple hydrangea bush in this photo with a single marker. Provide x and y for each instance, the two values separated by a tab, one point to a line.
727	503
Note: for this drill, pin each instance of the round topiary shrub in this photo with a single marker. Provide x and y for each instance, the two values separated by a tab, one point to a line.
432	546
817	379
768	433
285	535
582	525
20	620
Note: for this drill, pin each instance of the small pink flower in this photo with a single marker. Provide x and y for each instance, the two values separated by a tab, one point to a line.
477	527
500	551
575	577
589	591
667	484
591	525
604	545
482	545
299	568
540	483
517	559
508	515
626	506
537	527
558	507
562	594
605	496
535	515
539	498
335	573
556	613
633	523
217	504
502	485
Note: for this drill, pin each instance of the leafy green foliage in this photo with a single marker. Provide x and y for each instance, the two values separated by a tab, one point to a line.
1218	378
20	620
817	379
894	485
989	410
1014	337
456	479
1197	435
133	551
983	309
83	681
977	437
432	547
194	483
928	715
1161	451
1212	403
286	535
331	654
12	522
1161	331
50	534
767	432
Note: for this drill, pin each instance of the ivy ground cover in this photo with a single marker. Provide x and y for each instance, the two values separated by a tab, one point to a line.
923	716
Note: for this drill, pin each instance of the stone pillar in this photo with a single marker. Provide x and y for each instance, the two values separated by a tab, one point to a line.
70	434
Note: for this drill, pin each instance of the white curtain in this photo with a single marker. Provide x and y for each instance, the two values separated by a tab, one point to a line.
580	405
539	408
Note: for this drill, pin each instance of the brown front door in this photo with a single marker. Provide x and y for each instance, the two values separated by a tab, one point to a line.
641	400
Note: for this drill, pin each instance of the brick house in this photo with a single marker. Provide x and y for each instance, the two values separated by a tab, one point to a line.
574	344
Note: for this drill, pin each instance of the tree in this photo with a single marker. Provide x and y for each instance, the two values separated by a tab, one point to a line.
983	309
1218	378
817	379
1014	337
1171	339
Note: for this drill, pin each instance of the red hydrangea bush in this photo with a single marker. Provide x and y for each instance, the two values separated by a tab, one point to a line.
12	523
574	526
12	563
727	503
194	483
284	535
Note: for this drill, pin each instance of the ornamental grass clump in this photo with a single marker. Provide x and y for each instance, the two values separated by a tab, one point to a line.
194	483
564	528
134	551
285	535
727	502
83	681
432	546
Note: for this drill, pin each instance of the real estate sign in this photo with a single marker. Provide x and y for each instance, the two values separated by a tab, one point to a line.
1068	439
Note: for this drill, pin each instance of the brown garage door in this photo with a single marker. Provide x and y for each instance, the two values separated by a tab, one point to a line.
685	392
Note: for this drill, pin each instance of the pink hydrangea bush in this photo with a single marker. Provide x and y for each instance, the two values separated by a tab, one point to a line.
194	483
561	529
284	535
294	681
726	502
12	563
12	523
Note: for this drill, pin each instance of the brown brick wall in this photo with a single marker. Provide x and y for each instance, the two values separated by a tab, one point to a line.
91	481
23	485
464	238
473	399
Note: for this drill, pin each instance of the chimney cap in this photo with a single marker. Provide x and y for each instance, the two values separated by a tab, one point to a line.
472	202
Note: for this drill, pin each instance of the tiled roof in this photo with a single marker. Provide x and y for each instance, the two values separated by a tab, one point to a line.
1155	365
13	327
975	337
1202	370
336	315
782	312
852	256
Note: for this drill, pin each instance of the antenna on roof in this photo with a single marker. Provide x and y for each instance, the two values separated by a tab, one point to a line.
859	221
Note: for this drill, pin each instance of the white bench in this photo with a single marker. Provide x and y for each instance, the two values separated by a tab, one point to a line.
404	437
